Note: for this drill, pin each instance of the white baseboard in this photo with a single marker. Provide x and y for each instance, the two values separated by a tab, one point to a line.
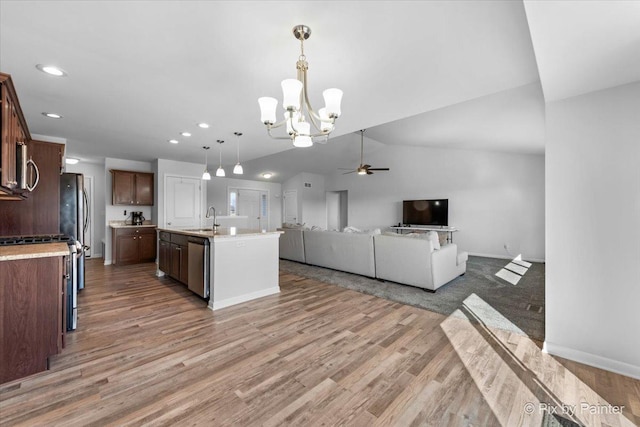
594	360
504	257
107	261
243	298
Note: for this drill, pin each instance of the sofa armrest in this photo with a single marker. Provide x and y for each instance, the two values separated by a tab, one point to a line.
444	265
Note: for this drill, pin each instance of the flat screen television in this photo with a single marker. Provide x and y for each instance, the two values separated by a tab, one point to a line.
425	212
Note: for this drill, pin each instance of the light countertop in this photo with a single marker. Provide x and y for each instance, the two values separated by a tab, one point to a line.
221	232
123	224
42	250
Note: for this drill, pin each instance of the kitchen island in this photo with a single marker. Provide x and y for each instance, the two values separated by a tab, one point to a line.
229	265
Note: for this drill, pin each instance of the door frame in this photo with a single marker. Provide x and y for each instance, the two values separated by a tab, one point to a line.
266	190
203	195
284	205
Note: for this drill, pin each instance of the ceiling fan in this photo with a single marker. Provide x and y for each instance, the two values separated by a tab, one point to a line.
363	169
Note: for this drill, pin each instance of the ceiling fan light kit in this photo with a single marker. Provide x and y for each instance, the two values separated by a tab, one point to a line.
297	106
364	169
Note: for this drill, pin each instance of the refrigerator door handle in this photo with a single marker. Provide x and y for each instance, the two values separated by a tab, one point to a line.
85	201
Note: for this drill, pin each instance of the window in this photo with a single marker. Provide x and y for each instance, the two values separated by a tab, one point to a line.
233	202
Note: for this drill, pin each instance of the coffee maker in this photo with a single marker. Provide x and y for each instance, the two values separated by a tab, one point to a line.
136	218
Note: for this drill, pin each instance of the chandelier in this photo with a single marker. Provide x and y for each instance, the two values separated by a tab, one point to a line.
299	116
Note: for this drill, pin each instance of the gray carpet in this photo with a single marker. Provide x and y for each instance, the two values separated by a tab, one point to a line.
496	302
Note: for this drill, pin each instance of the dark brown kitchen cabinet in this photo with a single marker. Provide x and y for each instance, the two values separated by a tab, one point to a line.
132	188
133	245
174	256
31	314
14	134
164	255
40	212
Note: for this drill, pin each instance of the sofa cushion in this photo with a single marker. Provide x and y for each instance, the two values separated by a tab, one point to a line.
350	252
291	244
434	239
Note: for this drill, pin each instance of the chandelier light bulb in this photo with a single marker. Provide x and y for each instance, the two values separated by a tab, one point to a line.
332	100
268	107
291	89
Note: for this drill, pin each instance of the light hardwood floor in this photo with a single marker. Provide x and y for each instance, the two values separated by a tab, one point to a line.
147	351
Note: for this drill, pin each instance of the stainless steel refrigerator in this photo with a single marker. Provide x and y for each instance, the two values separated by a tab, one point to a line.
74	222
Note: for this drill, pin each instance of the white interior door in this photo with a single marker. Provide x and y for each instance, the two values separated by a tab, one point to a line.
291	206
88	230
333	210
249	206
182	202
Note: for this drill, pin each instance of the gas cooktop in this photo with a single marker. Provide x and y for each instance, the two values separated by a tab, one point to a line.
30	240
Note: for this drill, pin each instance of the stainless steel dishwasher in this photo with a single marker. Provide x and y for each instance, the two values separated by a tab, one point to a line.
199	253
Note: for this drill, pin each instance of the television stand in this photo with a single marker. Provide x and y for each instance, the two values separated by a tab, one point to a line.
437	228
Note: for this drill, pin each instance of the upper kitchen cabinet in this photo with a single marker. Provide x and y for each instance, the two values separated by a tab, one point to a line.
132	188
13	149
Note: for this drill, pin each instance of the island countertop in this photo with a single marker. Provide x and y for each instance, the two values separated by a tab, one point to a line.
220	232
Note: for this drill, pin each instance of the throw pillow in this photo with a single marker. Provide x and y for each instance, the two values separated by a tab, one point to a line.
433	238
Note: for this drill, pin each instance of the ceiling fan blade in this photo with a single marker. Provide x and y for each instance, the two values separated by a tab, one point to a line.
347	173
345	169
369	172
365	166
378	169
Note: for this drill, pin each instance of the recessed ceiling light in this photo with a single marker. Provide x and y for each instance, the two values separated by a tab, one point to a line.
52	70
173	141
71	161
52	115
185	134
203	125
267	175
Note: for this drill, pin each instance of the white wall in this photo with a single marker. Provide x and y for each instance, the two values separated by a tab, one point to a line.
494	198
116	213
95	170
593	229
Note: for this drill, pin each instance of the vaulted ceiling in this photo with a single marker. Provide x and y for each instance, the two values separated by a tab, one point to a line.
448	74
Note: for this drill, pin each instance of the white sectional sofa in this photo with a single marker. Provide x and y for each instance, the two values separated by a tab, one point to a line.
350	252
292	244
412	261
415	261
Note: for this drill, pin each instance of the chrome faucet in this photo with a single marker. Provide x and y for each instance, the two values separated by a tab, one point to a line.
208	215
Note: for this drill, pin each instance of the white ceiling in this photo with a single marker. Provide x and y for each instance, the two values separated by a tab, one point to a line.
430	73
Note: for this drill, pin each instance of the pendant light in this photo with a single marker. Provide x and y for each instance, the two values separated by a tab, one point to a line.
206	175
237	169
220	171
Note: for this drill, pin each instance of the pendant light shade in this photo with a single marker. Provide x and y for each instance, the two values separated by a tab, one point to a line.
220	170
206	175
237	169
